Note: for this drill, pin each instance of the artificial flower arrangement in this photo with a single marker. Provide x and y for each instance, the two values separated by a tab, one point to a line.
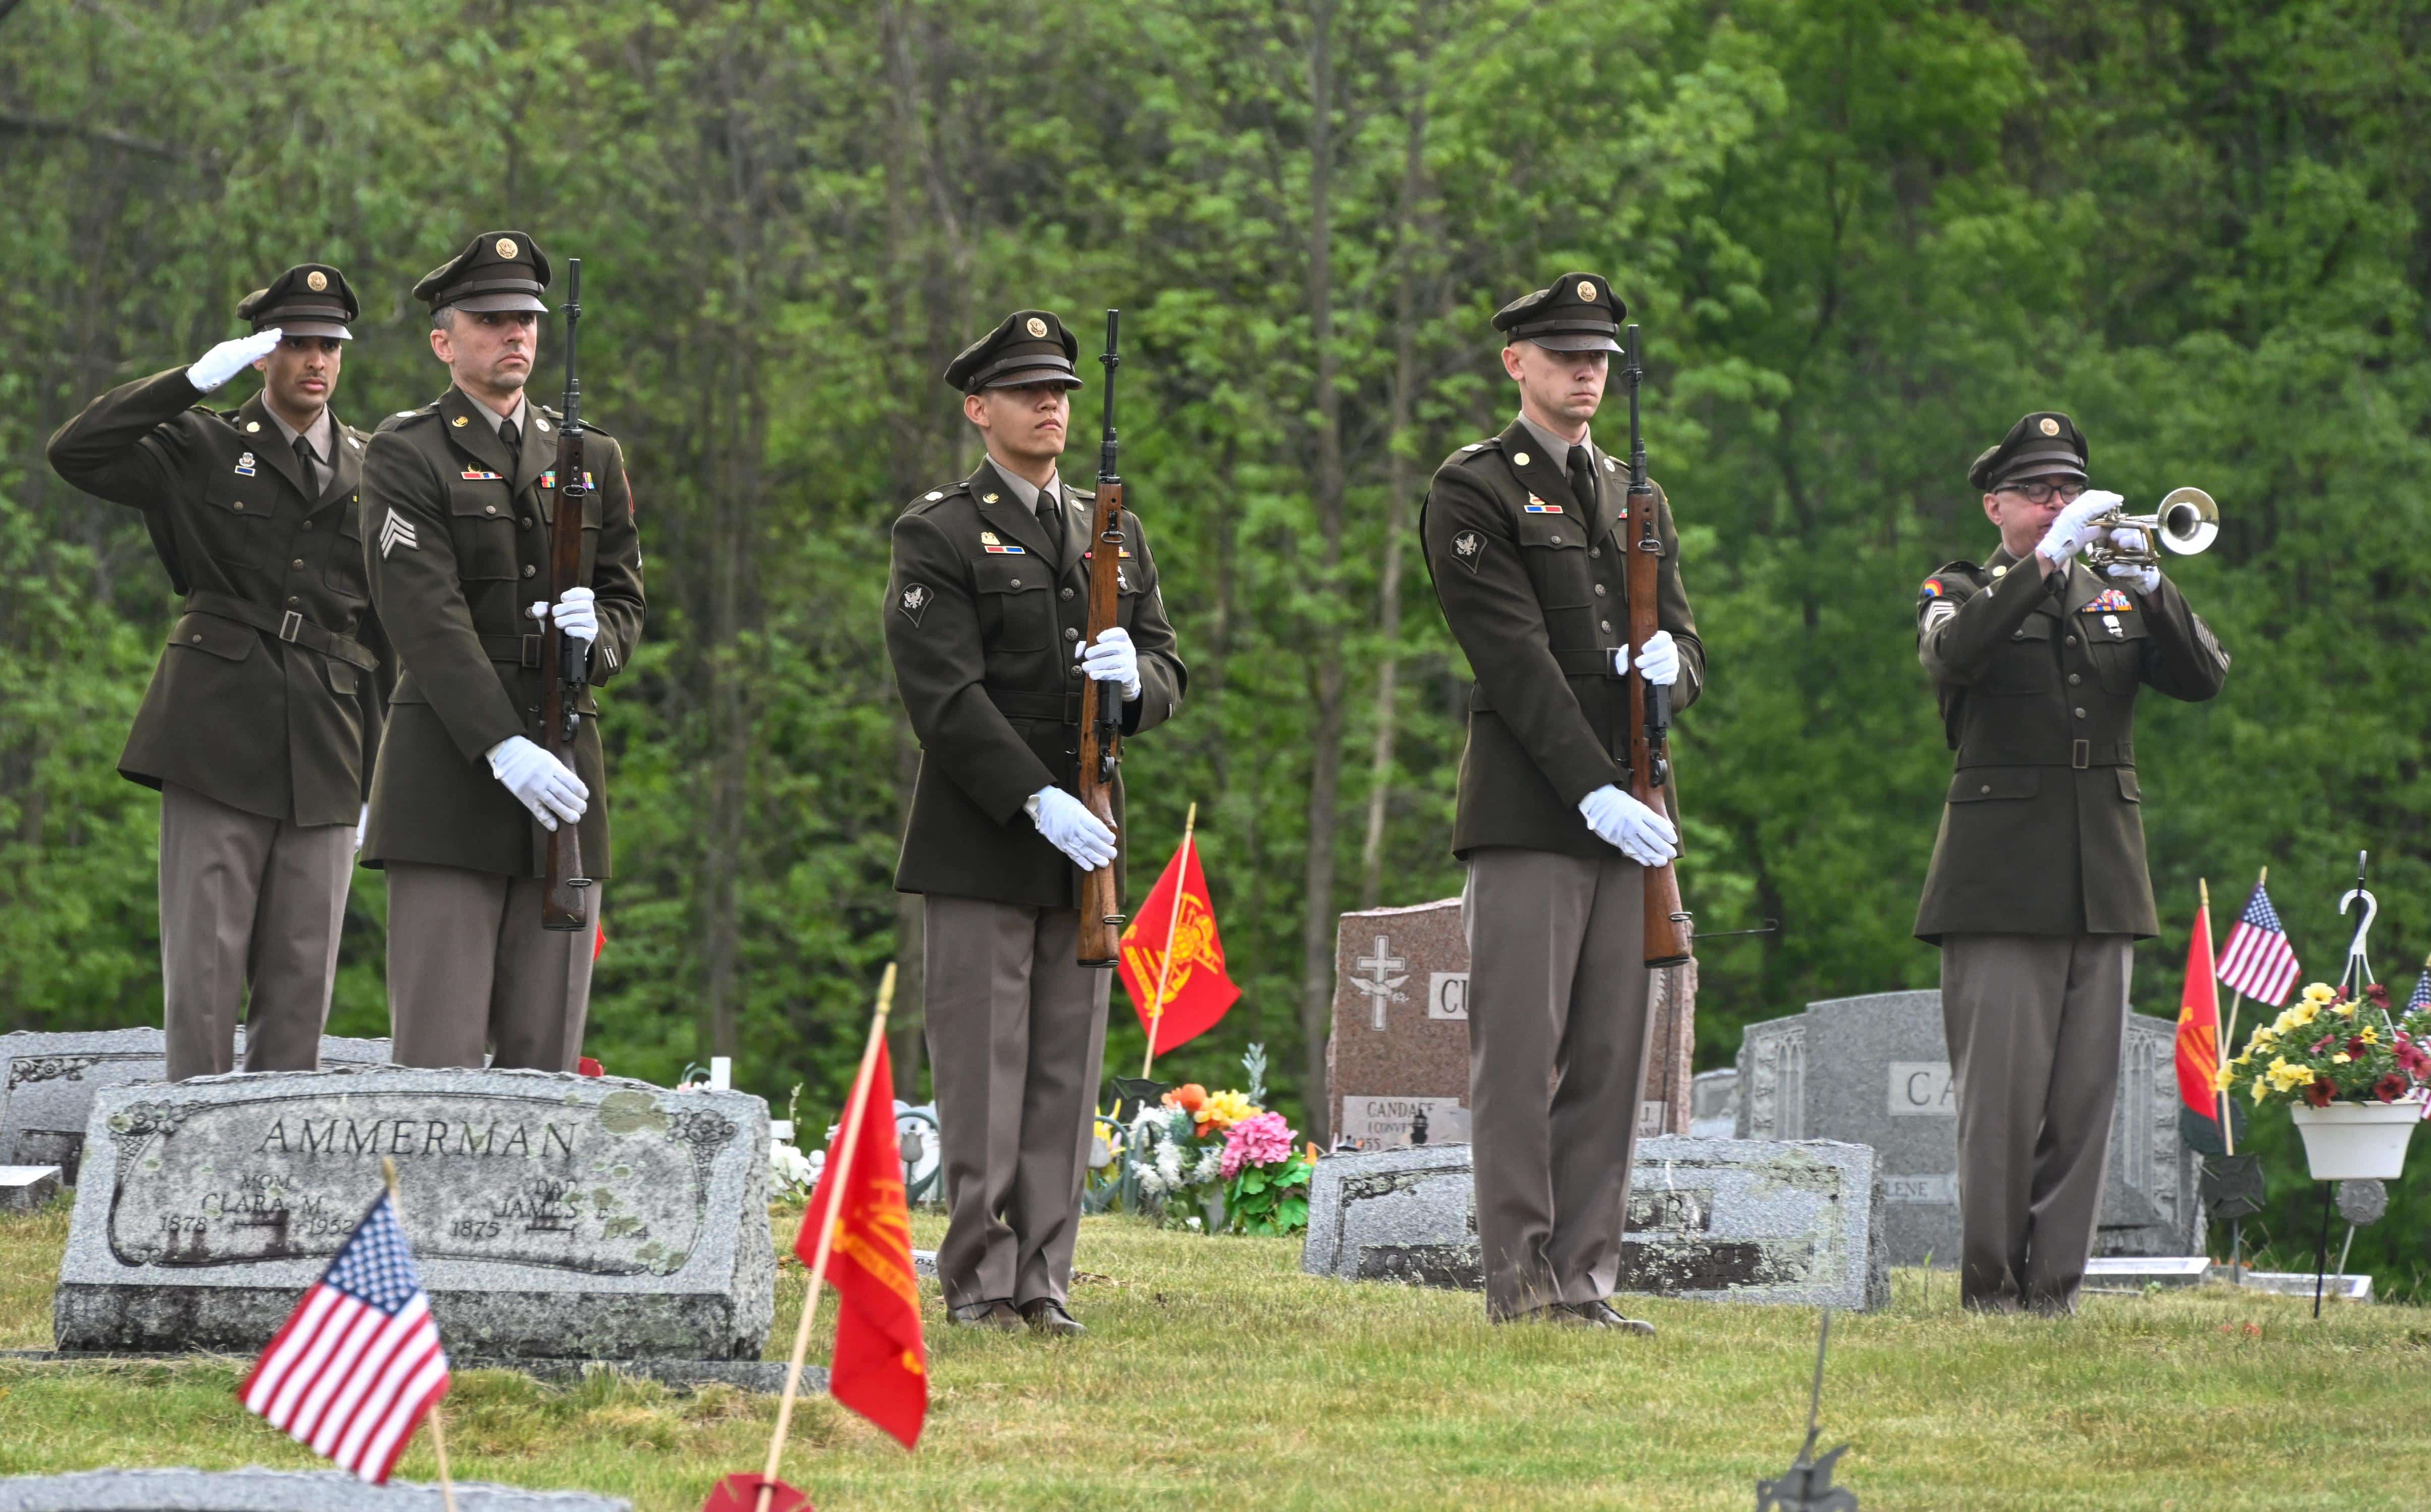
1216	1162
2327	1048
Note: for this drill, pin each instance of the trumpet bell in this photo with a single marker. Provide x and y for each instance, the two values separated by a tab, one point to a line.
2188	521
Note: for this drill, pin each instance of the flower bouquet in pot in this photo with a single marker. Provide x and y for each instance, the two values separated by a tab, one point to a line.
1216	1161
2354	1075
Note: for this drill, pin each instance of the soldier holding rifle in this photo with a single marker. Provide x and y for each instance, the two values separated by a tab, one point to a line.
264	713
460	499
2038	890
986	614
1531	537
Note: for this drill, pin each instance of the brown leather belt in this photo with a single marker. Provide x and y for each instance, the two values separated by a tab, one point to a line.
287	625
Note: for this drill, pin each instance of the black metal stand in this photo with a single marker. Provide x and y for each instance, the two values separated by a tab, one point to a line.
2322	1250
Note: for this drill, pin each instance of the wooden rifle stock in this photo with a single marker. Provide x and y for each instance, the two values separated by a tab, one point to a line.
565	662
1101	713
1668	936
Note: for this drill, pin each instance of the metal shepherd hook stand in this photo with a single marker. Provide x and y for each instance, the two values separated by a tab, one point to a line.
2355	977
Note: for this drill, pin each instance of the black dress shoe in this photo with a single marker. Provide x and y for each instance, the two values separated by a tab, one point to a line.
998	1315
1600	1315
1047	1316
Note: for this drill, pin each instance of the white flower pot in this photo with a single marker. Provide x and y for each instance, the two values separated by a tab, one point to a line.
2353	1141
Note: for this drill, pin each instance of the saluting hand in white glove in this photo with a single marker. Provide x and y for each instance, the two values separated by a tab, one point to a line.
1113	658
2073	527
576	613
538	781
230	357
1069	827
1637	831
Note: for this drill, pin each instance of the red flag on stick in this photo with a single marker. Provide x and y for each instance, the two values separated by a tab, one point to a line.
880	1366
1173	960
2199	1023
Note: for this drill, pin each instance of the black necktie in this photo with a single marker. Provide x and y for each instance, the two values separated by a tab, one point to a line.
1050	519
1582	480
304	466
514	436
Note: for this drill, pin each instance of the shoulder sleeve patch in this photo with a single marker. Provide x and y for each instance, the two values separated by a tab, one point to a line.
1468	549
914	601
1932	589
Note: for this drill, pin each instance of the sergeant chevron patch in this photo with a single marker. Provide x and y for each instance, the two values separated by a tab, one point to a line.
396	532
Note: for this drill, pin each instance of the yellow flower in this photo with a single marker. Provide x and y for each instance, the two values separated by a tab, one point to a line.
2341	1058
2260	1090
2304	1013
2320	992
2371	1034
2346	1010
1224	1109
2287	1078
2220	1079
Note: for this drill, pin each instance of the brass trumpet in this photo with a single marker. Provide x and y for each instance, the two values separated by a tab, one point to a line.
2187	522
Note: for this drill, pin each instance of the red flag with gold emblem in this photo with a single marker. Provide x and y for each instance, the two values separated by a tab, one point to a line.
880	1367
2199	1026
1178	1001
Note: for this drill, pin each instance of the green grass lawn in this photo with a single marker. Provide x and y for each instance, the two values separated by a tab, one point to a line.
1215	1376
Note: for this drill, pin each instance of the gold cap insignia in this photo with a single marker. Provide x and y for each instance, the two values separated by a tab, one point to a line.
507	246
316	280
458	422
1586	291
2047	426
1521	460
1036	327
252	425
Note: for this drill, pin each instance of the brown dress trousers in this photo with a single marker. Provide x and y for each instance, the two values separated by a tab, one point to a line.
470	968
247	901
2035	1023
1558	1037
1016	1033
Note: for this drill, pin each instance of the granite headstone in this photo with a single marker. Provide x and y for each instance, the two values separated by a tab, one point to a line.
47	1083
267	1491
1399	1045
26	1188
1875	1070
1710	1219
552	1216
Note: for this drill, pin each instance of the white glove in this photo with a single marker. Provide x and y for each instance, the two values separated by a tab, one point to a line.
541	783
362	822
1658	660
1113	658
1069	827
1637	831
2144	577
229	358
2069	533
576	615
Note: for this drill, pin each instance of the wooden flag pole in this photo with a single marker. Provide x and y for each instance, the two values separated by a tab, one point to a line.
839	1168
1172	918
2221	1103
438	1434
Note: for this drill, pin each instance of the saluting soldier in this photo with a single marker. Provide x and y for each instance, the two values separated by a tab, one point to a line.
458	496
2037	888
1526	536
264	713
986	606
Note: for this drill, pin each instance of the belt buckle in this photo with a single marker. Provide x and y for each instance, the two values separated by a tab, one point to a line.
2081	756
532	655
290	626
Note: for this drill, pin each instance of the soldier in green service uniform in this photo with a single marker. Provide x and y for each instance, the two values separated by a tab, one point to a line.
458	496
265	712
2037	888
985	608
1525	536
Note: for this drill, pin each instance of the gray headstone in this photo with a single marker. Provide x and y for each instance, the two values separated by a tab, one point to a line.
2334	1287
47	1083
264	1491
1875	1070
1400	1042
1714	1104
1709	1220
24	1188
552	1216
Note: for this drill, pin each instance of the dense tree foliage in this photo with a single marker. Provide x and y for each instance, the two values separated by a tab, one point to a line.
1863	236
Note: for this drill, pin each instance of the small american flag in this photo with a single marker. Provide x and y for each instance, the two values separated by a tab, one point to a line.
359	1361
2257	959
2422	998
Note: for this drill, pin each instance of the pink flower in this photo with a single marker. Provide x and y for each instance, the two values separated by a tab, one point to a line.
1264	1140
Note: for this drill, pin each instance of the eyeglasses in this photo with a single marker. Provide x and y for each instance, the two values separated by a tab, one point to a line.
2044	493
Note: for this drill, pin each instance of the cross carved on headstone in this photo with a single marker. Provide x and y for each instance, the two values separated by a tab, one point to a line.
1378	983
